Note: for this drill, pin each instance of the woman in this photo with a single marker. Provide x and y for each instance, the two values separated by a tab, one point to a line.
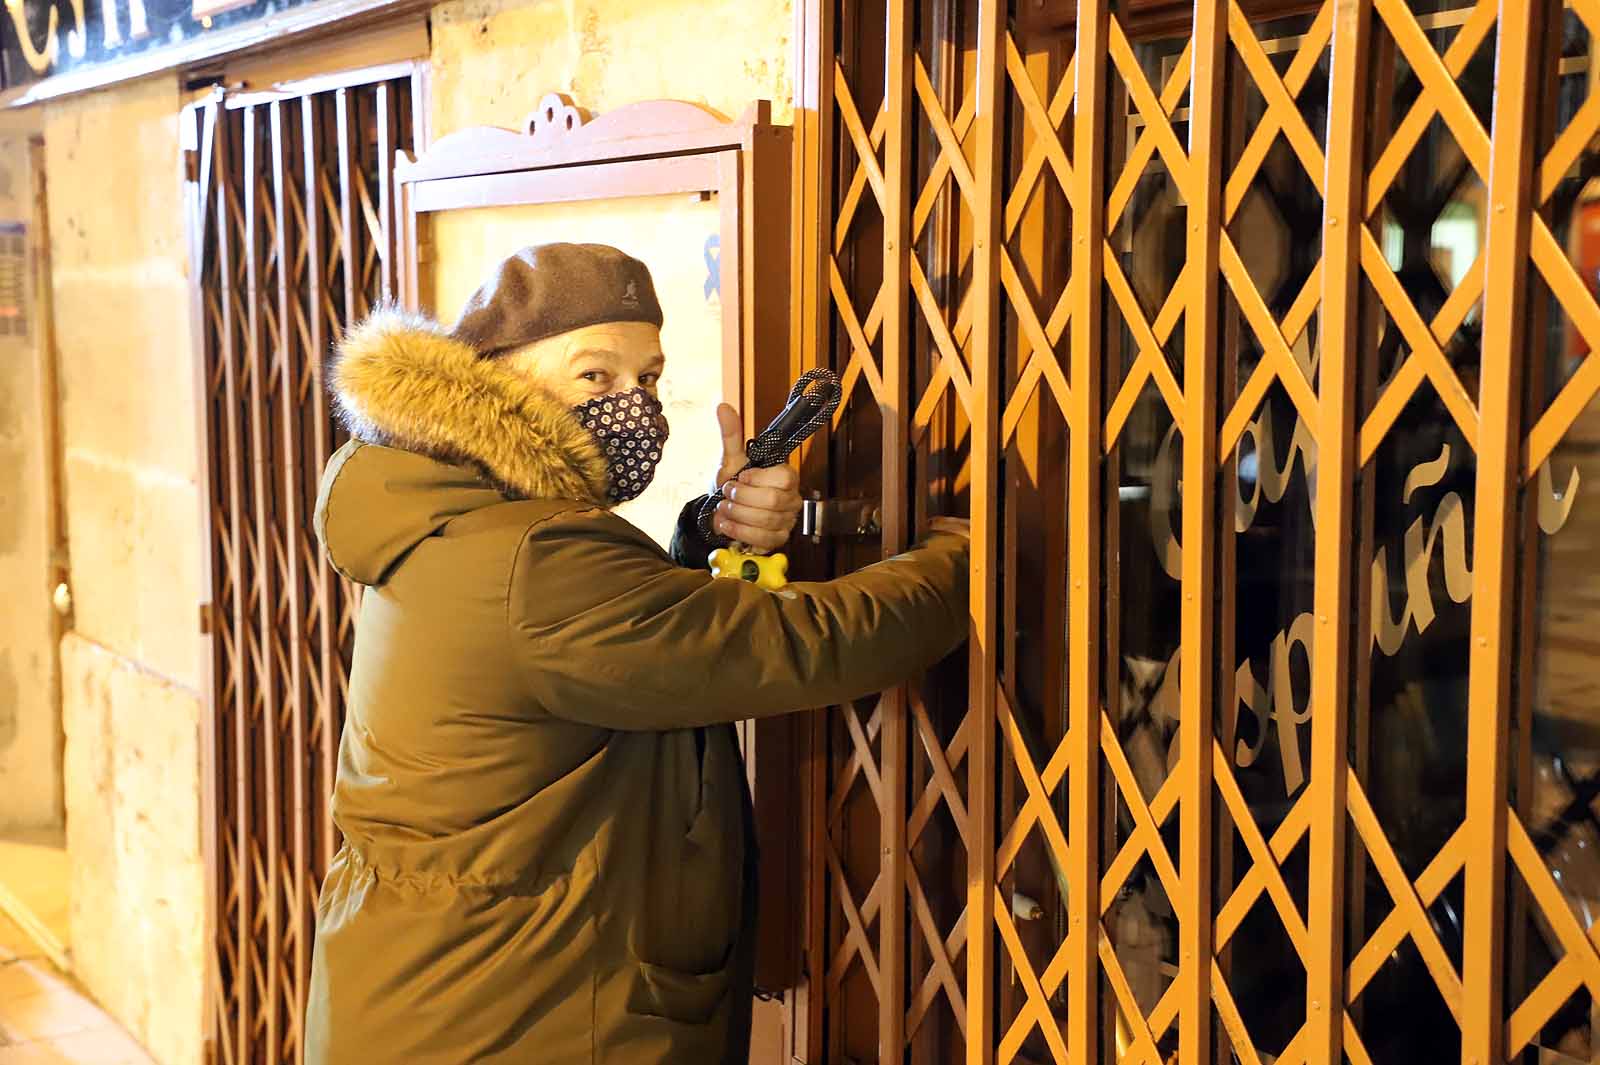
546	853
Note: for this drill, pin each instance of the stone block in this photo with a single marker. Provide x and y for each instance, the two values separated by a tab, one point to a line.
135	551
494	59
30	749
127	137
133	840
119	276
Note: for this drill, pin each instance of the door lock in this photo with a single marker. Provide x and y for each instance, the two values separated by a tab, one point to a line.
840	517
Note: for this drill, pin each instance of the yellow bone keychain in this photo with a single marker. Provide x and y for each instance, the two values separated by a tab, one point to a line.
812	401
764	571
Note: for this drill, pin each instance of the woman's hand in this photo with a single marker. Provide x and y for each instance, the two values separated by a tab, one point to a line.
760	507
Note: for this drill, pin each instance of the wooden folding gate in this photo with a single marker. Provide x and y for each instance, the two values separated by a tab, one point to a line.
292	237
1107	275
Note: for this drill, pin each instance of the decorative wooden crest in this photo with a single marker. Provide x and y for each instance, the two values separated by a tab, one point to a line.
556	118
560	133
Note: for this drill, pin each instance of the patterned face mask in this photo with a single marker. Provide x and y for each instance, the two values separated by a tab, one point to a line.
630	428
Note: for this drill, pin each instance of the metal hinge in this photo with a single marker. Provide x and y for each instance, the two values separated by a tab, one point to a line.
840	517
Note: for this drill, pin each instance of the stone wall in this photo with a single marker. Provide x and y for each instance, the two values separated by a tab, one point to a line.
494	59
130	671
133	841
30	731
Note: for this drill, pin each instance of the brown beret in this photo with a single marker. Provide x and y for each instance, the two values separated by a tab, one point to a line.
548	289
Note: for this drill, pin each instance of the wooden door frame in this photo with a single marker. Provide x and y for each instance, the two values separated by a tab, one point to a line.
663	147
1511	446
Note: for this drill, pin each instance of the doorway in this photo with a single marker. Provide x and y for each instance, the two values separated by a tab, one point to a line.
33	562
292	229
1255	339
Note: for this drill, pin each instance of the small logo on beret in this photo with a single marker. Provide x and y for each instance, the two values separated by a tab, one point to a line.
630	298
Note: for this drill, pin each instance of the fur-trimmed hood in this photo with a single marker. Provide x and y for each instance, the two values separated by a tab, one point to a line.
400	380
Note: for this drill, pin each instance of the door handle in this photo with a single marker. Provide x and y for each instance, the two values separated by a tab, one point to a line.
840	517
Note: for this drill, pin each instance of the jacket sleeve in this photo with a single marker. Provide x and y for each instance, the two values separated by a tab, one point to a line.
608	631
690	547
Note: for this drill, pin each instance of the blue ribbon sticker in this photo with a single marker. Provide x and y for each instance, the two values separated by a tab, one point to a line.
713	257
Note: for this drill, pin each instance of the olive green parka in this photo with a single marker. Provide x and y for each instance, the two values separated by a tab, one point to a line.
545	821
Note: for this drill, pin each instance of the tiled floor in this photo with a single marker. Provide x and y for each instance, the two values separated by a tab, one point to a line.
46	1020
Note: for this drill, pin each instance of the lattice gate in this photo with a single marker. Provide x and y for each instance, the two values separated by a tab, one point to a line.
1253	329
292	236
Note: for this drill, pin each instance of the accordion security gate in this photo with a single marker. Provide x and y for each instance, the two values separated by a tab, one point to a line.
1255	339
291	238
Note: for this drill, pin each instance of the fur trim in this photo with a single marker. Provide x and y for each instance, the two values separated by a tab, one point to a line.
401	380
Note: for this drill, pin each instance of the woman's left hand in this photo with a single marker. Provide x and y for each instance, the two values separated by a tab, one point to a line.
760	507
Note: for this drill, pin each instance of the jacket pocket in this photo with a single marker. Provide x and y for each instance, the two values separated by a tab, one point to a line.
689	998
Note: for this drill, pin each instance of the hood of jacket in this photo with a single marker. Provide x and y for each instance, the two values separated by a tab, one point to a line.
452	433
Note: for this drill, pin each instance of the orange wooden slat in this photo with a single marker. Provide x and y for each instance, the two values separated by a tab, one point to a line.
933	317
1414	124
1577	135
1285	838
1144	822
1137	845
1294	925
1492	647
933	188
860	760
1581	309
1282	111
858	185
1581	961
1534	1012
237	765
1265	133
865	155
1336	504
949	144
984	345
943	969
1045	126
1146	1032
1438	81
1037	805
1207	240
1419	337
1275	346
895	400
1081	744
1034	161
1038	340
1034	1013
855	920
944	779
1412	912
1393	929
297	879
1232	1023
1144	147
